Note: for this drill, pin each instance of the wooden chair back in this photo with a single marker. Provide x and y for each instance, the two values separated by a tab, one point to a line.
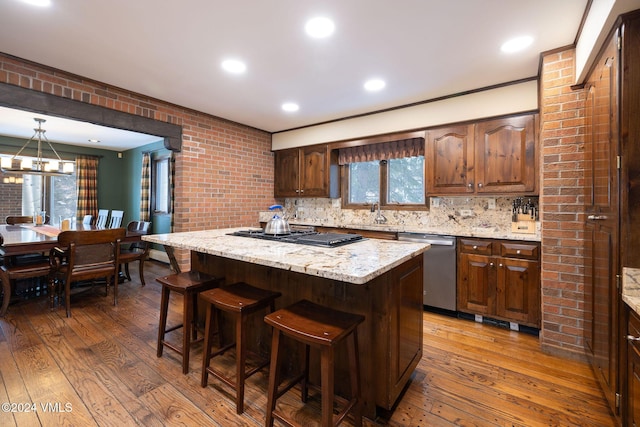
89	251
116	219
142	228
103	214
13	220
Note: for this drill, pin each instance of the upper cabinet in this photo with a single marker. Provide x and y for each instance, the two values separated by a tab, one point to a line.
306	172
491	157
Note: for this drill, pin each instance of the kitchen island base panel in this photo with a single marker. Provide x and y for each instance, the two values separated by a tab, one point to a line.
389	339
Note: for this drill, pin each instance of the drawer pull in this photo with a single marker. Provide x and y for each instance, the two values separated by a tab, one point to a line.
500	265
518	251
632	338
475	247
490	264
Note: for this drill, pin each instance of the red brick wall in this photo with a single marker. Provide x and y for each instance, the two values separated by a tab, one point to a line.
224	173
562	201
11	203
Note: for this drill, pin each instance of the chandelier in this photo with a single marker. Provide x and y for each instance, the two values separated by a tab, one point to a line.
38	165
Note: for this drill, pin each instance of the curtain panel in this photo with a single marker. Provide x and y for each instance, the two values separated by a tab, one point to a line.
145	188
411	147
87	186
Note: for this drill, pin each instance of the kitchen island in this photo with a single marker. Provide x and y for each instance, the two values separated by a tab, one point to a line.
379	279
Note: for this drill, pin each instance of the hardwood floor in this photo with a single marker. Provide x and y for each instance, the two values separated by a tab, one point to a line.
100	368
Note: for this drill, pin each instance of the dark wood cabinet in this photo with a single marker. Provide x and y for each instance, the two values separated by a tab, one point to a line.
491	157
506	155
500	279
306	172
449	160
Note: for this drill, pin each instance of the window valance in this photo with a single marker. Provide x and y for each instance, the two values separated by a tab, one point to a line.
411	147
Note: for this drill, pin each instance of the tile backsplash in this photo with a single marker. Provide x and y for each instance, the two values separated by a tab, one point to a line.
447	215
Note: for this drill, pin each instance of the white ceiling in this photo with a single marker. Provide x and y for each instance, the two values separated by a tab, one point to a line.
172	50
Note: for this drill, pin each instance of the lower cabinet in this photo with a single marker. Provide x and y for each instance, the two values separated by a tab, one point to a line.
632	412
500	279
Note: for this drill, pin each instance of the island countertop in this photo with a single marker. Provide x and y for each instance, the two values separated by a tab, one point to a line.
356	263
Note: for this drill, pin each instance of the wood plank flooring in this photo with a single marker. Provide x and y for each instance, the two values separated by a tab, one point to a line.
100	368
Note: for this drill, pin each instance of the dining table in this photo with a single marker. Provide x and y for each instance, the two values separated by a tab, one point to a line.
24	239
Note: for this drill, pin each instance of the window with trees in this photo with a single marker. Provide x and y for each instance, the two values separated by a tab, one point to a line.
389	173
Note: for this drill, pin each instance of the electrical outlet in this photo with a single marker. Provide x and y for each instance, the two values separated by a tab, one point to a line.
478	318
466	213
491	204
435	202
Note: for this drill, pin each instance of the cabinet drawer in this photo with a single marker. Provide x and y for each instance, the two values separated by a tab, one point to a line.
520	250
475	246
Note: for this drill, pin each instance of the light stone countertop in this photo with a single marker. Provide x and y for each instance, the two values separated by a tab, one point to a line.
631	288
356	263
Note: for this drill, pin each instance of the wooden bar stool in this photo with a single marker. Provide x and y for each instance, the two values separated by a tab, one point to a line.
240	300
322	328
188	284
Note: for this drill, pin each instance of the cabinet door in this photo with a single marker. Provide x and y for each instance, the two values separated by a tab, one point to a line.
476	284
449	160
602	224
286	173
405	327
518	291
314	171
506	155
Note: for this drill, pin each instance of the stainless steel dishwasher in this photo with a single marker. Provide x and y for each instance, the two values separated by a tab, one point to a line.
439	287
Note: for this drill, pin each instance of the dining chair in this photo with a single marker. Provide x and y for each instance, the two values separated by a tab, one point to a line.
116	219
87	220
10	272
85	255
103	214
136	251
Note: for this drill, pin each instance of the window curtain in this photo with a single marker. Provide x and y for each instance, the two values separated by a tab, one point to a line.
172	182
411	147
87	186
145	188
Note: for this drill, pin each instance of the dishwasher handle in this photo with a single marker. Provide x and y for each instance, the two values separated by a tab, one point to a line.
432	240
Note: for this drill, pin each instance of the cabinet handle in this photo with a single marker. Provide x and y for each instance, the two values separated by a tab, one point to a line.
297	191
479	185
597	217
500	265
302	191
518	251
475	247
632	338
470	185
490	264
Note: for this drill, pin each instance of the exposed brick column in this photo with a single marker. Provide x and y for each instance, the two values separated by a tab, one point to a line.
562	192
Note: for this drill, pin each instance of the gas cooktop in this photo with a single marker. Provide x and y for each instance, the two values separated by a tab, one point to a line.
303	237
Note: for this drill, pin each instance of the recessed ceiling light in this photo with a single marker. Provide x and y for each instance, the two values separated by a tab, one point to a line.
516	44
41	3
290	107
234	66
374	85
319	27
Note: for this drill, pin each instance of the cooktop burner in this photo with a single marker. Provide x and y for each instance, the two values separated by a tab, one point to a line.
303	237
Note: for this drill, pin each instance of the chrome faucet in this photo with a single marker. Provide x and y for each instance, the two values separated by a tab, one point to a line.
379	219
